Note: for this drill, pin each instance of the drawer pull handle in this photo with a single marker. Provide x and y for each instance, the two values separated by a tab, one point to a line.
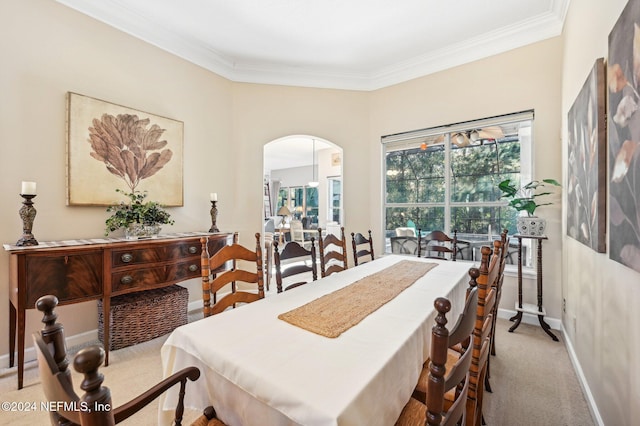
193	268
127	257
127	279
193	250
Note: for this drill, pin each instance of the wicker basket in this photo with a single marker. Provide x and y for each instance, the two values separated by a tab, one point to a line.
145	315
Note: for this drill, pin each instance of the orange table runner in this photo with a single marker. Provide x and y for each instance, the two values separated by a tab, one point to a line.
336	312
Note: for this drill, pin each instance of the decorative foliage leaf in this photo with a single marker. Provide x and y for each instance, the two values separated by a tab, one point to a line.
126	146
523	198
136	211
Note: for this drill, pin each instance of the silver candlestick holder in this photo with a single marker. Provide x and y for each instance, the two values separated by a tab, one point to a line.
214	217
27	213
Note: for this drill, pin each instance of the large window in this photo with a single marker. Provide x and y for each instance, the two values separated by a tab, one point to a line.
447	178
302	201
334	212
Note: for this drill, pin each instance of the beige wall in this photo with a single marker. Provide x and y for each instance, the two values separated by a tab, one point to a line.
263	113
48	49
602	317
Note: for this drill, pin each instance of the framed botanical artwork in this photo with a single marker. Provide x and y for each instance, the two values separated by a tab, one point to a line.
113	147
587	169
623	119
336	159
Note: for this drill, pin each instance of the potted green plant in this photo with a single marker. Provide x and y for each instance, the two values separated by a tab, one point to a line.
524	198
139	219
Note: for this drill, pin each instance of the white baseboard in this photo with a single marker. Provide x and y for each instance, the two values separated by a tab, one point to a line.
196	305
30	353
75	340
554	323
583	381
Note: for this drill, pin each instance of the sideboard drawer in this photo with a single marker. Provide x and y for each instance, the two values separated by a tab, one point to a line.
155	253
71	277
146	278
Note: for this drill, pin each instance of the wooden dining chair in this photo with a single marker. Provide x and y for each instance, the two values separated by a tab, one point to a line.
57	385
333	253
504	250
446	372
297	233
482	278
362	255
268	258
226	259
438	245
305	263
500	251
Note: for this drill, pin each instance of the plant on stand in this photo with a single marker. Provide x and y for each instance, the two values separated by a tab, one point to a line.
523	198
138	218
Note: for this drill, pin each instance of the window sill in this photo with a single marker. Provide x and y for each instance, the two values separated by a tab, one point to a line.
527	273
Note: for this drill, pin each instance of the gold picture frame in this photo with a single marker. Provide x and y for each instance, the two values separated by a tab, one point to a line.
111	147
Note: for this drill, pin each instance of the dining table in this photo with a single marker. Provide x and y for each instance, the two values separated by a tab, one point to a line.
259	367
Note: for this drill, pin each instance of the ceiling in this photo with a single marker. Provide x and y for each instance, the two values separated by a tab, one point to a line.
292	151
355	44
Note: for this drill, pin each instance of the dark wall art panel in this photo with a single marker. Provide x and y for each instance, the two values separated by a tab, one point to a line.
586	178
623	119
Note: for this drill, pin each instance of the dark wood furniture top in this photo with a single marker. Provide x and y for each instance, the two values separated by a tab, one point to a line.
362	255
95	406
333	253
225	259
82	270
293	250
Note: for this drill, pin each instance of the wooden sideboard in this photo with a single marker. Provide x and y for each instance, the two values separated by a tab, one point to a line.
82	270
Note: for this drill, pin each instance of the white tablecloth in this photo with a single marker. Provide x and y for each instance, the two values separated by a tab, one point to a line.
259	370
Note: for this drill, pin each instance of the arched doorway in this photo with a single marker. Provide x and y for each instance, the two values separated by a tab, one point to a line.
292	166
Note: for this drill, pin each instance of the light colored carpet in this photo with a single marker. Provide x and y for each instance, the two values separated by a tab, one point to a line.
533	381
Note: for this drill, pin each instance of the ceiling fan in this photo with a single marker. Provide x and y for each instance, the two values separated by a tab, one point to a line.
474	136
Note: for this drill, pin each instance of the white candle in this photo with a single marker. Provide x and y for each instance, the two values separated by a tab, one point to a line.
28	188
214	196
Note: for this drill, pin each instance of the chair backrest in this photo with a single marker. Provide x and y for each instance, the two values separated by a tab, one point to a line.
362	255
482	278
333	253
268	257
270	226
306	222
438	245
293	250
297	231
404	245
404	231
497	284
232	253
53	364
440	379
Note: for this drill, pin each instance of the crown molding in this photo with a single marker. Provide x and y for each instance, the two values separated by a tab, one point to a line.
116	14
501	40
